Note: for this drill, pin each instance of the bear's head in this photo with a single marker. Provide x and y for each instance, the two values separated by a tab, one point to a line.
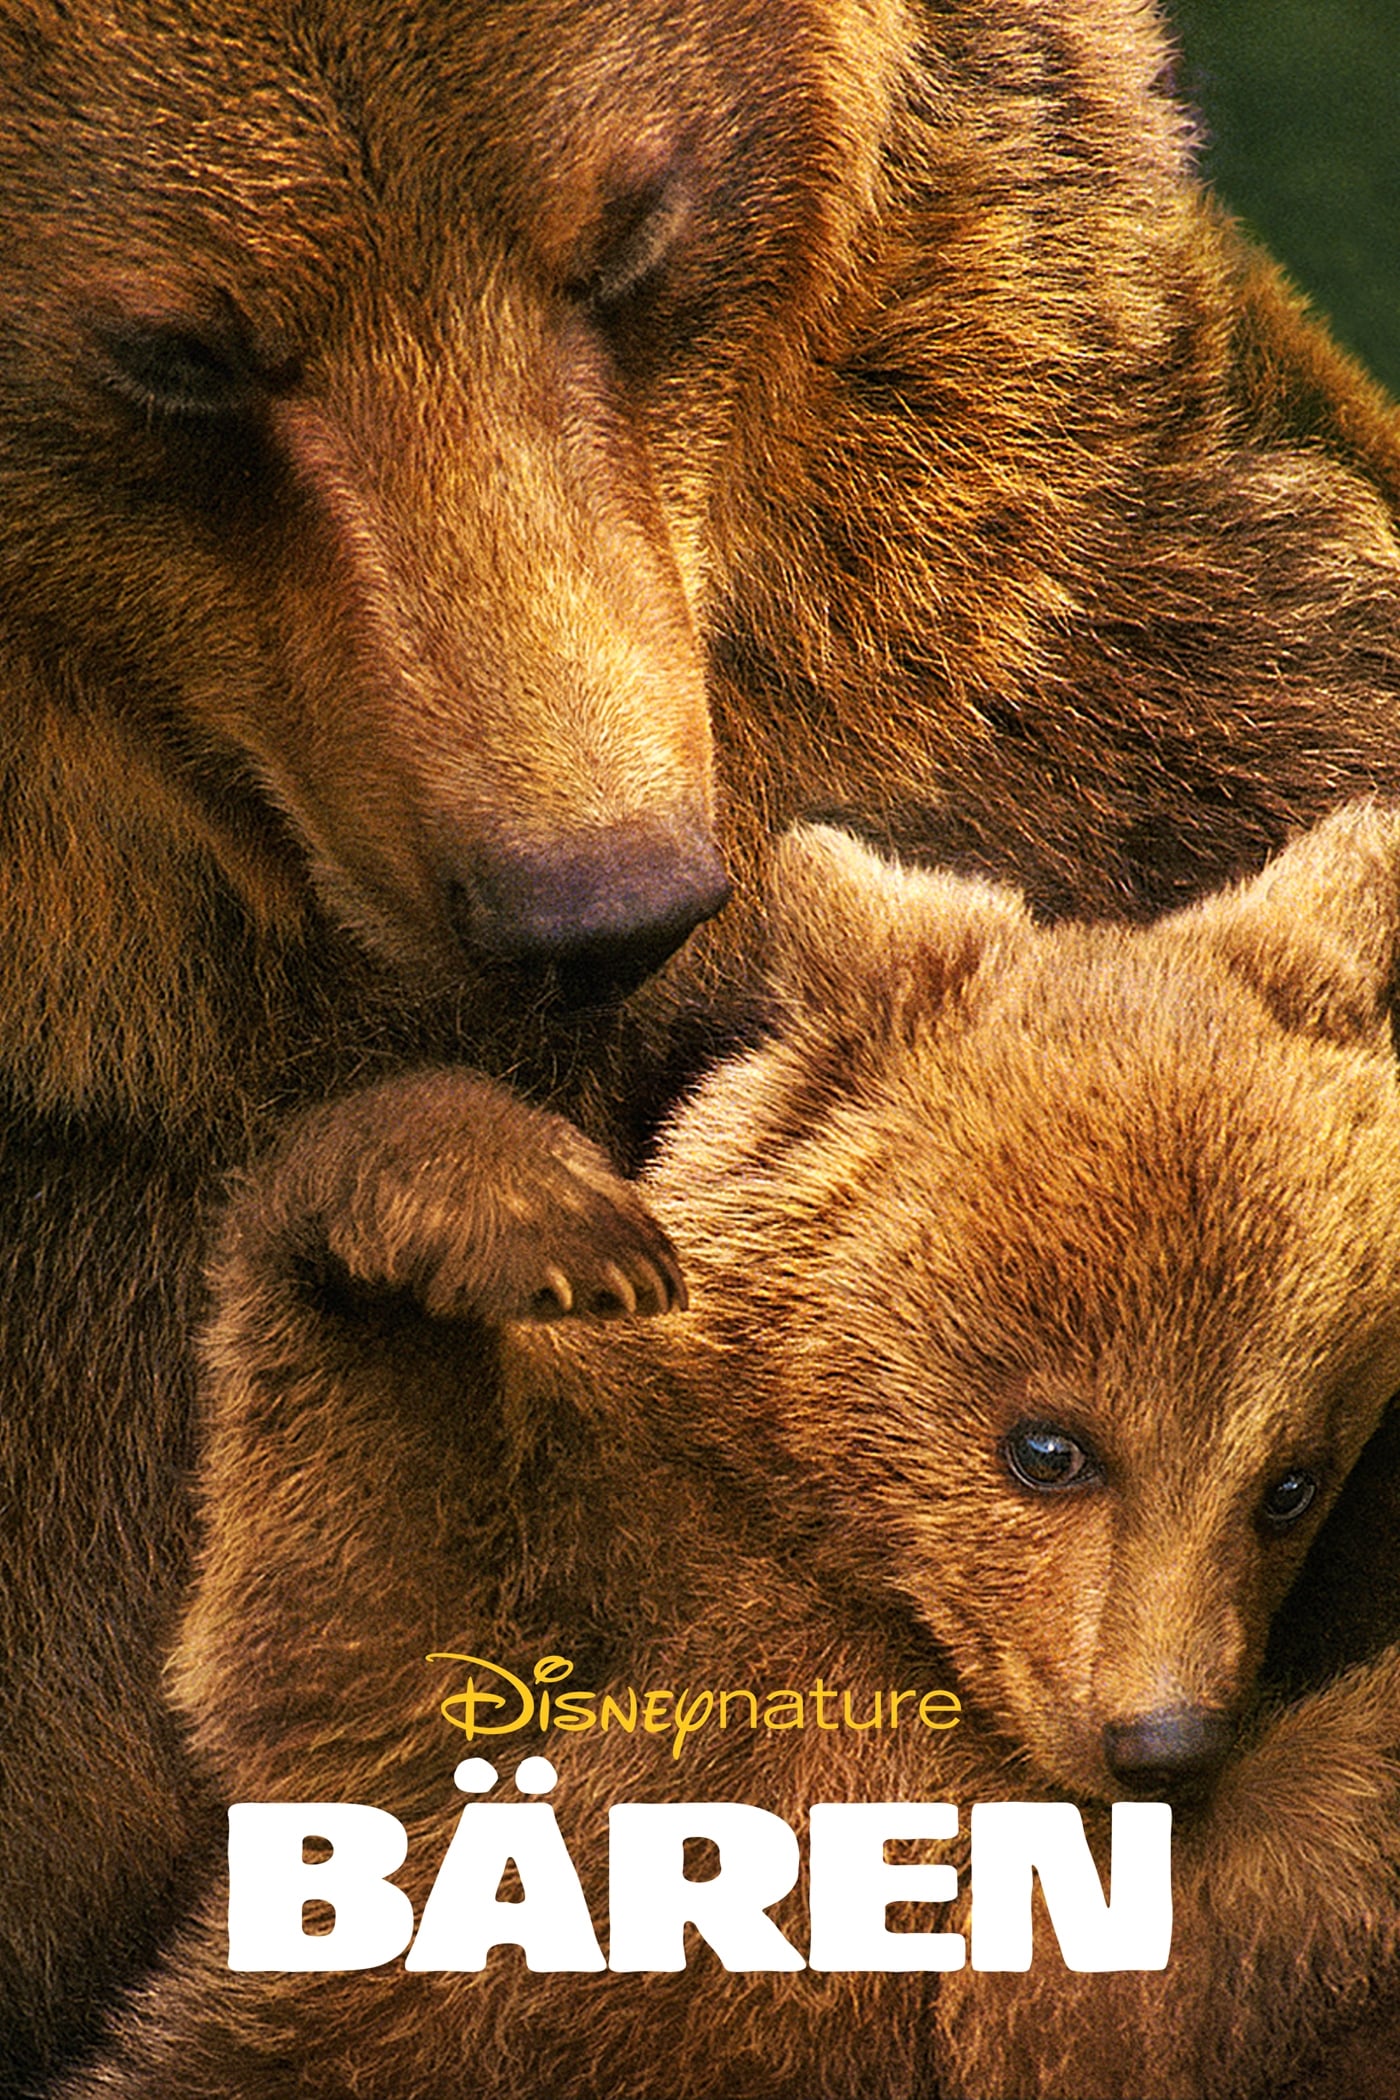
1054	1273
368	373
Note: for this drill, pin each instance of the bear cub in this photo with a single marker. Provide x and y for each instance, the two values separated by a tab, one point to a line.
1043	1290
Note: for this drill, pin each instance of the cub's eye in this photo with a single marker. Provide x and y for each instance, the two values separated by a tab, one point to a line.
1288	1498
173	371
1046	1458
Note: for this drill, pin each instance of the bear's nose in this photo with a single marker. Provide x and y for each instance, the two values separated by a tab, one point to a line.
1177	1751
593	917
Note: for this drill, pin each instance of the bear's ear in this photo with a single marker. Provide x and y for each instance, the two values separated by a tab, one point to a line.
869	947
1317	934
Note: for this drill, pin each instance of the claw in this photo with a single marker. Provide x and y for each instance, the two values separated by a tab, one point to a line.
559	1286
618	1285
652	1293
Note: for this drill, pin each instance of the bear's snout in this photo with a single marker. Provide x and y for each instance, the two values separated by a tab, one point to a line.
1177	1751
597	914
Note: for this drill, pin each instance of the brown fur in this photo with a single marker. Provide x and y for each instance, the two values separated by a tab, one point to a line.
410	415
1142	1185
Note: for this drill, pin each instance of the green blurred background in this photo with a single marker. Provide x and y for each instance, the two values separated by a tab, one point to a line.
1301	100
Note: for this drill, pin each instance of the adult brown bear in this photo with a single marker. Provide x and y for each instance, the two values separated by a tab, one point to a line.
410	416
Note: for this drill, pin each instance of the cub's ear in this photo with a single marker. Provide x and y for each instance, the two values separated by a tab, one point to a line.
871	949
1317	934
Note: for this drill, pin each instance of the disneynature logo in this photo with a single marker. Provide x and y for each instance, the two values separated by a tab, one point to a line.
495	1701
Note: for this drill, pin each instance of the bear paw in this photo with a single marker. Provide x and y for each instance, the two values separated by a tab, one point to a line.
447	1187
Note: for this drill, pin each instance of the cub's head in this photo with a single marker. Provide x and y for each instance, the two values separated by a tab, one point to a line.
1055	1273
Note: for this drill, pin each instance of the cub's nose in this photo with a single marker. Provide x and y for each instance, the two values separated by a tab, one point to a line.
597	914
1177	1751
